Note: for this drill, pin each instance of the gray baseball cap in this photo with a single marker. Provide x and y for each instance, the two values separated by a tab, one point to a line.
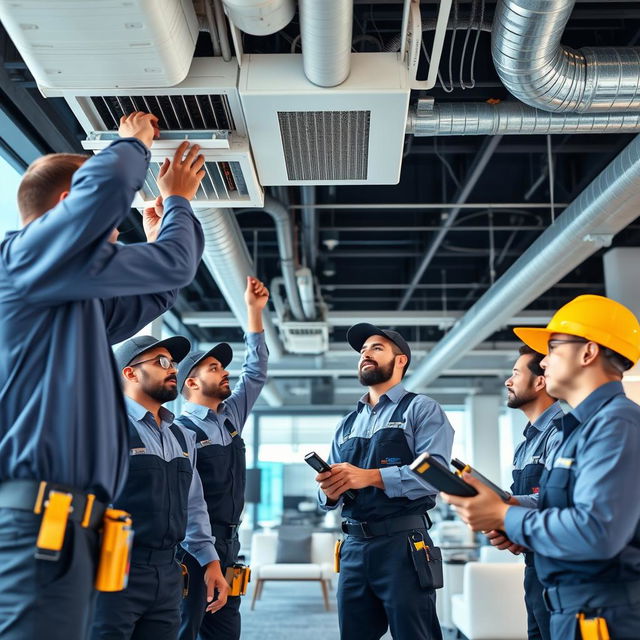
222	352
358	334
177	346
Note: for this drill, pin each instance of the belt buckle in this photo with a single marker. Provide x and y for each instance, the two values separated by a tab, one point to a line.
366	533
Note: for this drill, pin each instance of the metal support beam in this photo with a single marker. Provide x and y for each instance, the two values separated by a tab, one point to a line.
477	169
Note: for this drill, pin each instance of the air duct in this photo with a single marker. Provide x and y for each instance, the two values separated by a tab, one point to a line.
260	17
326	30
536	68
512	118
605	207
228	260
284	230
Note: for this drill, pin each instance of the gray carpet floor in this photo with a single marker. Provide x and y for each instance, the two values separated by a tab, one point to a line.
292	611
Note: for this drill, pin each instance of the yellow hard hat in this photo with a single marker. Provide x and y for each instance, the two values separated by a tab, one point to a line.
594	318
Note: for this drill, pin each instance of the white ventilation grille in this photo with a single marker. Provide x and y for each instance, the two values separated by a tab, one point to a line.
325	145
174	112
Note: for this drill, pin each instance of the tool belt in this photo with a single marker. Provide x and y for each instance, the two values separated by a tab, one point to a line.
152	557
224	531
591	596
386	527
57	504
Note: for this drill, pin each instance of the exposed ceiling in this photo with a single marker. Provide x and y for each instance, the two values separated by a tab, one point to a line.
371	239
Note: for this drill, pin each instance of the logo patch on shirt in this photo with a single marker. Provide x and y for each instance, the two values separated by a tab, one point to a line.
564	463
203	443
391	461
535	489
137	451
395	424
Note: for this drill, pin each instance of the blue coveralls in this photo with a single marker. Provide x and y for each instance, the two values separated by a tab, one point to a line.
586	532
378	585
163	494
541	440
221	464
66	294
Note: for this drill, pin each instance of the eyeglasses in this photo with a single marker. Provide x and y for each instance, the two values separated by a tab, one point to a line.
552	344
163	361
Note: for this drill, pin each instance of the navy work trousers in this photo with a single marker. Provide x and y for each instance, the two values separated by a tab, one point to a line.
379	588
224	624
148	609
44	598
537	613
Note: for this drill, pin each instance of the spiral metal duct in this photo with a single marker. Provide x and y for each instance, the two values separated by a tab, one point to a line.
512	118
538	70
326	29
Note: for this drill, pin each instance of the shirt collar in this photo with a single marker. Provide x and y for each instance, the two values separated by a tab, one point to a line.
136	411
550	413
395	394
198	410
596	399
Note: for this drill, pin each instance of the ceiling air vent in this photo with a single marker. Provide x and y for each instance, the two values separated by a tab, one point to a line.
325	145
206	99
304	134
230	178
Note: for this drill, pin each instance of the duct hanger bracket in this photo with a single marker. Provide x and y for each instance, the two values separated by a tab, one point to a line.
599	239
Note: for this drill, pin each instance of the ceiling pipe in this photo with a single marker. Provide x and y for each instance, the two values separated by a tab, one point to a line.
309	225
605	207
538	70
227	258
284	231
478	166
511	118
326	28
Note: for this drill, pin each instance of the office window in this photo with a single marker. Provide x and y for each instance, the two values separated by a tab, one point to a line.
9	181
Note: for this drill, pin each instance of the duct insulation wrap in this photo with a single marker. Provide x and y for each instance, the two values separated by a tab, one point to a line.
541	72
512	118
260	17
605	207
227	258
326	28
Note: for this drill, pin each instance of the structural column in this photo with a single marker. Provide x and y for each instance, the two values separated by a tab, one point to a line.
482	427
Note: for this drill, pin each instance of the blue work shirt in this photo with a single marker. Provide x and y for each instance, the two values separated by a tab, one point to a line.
66	294
540	449
606	493
238	405
426	428
159	441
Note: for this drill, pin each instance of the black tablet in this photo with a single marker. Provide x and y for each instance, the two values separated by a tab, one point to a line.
438	476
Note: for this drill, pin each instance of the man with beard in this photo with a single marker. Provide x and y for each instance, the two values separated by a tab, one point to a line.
217	417
163	494
527	391
385	579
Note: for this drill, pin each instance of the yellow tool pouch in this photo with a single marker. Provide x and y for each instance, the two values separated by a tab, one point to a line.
592	628
336	556
115	551
53	526
238	576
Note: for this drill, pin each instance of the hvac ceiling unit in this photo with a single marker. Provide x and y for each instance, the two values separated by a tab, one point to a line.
305	337
206	99
97	43
230	179
302	134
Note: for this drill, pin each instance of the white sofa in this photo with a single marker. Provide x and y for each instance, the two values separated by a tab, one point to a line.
263	563
491	605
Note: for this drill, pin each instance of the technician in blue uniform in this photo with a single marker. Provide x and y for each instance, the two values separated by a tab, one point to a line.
66	293
217	417
163	494
586	531
527	391
379	585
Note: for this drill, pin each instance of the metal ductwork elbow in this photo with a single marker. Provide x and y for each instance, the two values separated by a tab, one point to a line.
326	28
260	17
227	258
538	70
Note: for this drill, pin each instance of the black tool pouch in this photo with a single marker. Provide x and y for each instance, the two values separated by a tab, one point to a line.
427	562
